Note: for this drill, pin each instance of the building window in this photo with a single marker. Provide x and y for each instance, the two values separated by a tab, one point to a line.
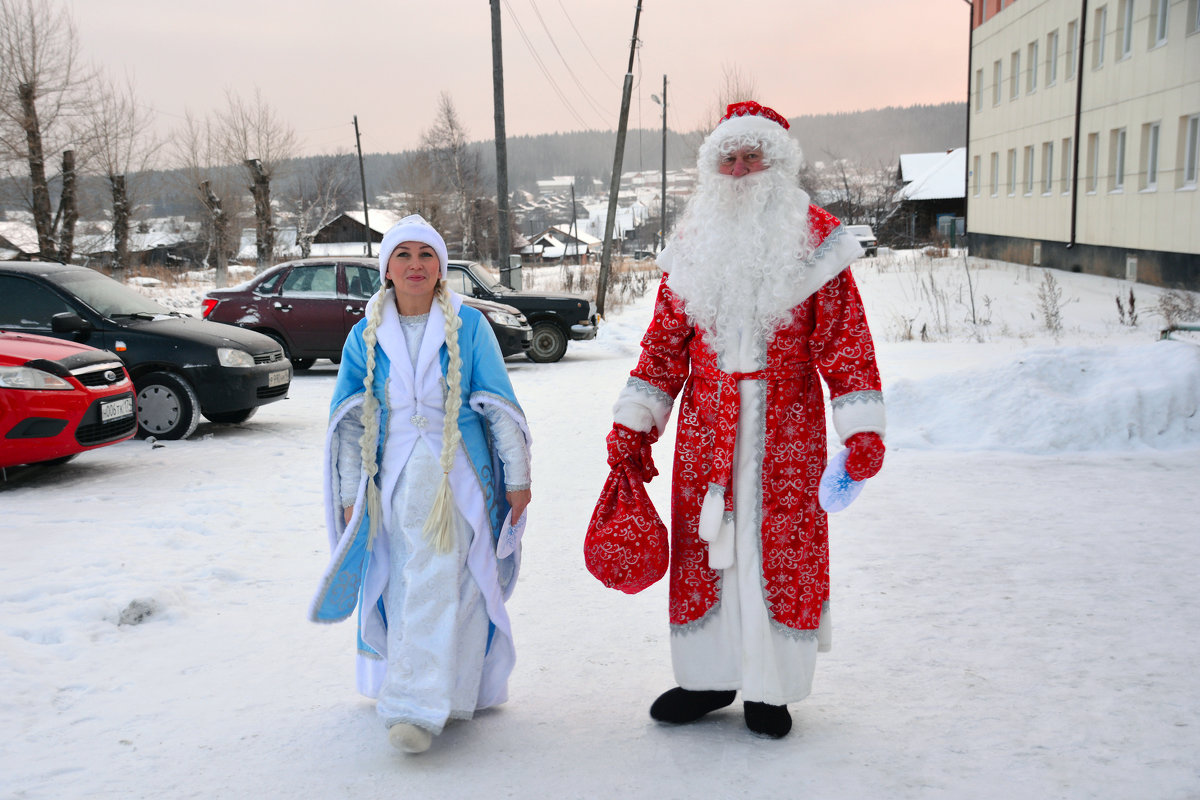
1189	140
1047	167
997	79
975	176
1093	162
1012	173
1073	47
995	174
1029	170
978	90
1067	155
1101	37
1051	57
1125	28
1014	80
1031	81
1158	22
1116	160
1149	164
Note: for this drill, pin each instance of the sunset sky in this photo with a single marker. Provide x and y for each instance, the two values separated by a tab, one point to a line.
320	62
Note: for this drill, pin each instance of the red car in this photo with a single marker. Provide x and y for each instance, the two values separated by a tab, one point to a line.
59	398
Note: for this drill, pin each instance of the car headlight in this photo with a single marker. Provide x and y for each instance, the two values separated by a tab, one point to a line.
504	318
232	357
29	378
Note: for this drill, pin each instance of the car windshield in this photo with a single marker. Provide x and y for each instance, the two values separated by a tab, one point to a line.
106	296
861	230
487	277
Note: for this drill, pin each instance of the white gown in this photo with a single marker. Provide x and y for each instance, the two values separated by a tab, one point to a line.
437	621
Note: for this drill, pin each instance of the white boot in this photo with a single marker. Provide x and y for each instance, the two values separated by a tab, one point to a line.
409	738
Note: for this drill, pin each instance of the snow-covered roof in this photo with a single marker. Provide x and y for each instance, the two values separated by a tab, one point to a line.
914	165
944	179
581	235
381	218
20	235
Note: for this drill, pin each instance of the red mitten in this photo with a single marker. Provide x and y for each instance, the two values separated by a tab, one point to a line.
866	456
628	445
626	545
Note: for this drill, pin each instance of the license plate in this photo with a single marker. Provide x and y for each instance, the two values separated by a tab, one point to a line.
116	409
278	378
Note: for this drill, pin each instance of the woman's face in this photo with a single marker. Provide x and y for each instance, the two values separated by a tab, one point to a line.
414	269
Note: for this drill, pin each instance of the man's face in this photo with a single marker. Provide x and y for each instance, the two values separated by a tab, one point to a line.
742	161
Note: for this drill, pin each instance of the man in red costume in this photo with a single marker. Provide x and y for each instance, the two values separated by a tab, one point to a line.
756	301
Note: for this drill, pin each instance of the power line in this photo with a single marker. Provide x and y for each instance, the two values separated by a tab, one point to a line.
582	89
541	66
582	41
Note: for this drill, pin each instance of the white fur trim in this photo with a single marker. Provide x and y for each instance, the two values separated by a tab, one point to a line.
711	512
641	406
746	125
858	412
721	548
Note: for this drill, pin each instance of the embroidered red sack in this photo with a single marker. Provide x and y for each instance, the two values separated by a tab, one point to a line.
626	546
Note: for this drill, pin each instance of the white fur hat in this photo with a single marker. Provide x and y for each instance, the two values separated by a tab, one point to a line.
412	228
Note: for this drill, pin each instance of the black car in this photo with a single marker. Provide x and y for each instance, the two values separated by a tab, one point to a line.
310	305
181	367
555	316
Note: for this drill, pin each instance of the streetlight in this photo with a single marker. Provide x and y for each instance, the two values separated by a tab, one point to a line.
663	223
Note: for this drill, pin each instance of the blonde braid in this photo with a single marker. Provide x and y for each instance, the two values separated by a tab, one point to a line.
369	441
439	527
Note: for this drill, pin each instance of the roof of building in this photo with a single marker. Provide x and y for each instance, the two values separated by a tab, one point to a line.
944	179
914	165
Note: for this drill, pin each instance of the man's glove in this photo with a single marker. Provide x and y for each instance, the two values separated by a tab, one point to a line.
628	445
865	457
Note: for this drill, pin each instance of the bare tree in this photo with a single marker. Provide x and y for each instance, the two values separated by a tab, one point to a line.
254	136
457	168
415	190
322	189
42	98
125	147
198	154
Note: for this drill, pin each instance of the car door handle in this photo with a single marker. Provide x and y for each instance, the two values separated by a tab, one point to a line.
353	310
282	307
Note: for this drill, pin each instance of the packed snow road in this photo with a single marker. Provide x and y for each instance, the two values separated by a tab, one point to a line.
1007	624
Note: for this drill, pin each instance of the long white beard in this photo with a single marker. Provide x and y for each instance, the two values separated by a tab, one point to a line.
738	254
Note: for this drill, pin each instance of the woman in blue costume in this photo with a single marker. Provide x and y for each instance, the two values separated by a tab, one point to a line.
427	465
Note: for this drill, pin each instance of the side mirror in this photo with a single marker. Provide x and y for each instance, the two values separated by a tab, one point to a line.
67	322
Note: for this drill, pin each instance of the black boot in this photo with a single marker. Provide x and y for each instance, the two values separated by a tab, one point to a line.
767	720
683	705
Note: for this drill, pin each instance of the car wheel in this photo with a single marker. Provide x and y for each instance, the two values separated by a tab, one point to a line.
167	407
548	345
301	364
230	417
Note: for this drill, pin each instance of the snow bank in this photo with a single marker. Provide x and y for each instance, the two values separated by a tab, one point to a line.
1056	399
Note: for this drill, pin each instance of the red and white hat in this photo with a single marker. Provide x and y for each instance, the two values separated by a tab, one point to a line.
749	117
750	124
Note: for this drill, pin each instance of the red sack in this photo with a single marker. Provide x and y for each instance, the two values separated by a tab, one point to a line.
626	546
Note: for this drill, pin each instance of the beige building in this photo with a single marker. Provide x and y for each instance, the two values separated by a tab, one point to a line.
1084	128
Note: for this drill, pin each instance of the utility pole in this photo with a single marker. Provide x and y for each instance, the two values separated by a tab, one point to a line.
504	245
662	239
615	184
362	179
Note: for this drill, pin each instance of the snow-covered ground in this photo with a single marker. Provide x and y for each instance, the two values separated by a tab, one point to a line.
1015	597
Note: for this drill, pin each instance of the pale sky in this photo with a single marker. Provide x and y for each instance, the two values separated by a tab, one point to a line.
320	62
